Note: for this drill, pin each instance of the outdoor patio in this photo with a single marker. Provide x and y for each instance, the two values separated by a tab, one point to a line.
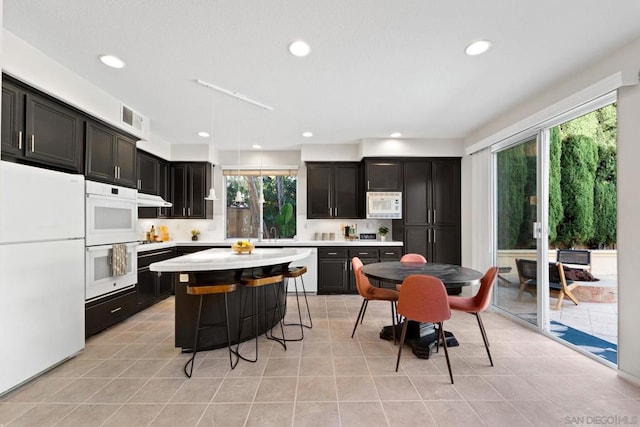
599	319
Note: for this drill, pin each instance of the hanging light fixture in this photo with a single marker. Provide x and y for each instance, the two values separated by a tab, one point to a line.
212	190
239	198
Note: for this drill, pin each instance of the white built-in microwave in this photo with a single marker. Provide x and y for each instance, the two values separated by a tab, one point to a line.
384	204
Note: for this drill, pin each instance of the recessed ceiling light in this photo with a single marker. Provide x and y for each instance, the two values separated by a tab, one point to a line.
299	48
477	47
307	134
256	146
395	135
203	134
112	61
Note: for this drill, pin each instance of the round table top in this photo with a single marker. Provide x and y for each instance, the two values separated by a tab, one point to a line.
396	271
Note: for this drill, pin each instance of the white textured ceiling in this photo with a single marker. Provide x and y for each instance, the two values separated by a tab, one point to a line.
376	66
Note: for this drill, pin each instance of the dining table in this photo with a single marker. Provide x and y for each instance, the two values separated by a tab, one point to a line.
421	336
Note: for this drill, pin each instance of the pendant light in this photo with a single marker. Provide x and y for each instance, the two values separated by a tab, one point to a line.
212	190
239	198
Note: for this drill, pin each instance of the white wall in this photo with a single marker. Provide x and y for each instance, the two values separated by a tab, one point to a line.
478	217
26	63
370	147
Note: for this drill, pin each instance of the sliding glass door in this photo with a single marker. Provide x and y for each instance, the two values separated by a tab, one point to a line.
516	215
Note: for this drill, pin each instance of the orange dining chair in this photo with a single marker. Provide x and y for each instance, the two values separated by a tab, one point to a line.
413	258
424	299
478	303
371	293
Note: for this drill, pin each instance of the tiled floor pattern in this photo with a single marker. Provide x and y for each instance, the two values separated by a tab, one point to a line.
131	375
594	318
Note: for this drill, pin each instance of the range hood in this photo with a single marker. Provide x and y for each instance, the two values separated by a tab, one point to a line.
149	200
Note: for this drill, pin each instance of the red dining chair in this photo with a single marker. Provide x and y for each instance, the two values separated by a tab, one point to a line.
413	258
372	293
424	299
478	303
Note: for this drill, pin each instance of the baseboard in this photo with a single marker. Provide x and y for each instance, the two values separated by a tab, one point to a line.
628	377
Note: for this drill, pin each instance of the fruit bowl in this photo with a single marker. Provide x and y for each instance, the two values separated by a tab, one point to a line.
243	247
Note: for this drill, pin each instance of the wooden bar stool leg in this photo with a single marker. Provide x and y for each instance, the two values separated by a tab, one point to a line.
243	318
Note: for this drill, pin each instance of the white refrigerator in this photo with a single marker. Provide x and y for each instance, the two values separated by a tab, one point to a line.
41	270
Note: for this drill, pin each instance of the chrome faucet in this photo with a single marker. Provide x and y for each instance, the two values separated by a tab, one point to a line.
275	233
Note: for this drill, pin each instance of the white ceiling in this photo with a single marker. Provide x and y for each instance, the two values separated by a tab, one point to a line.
376	66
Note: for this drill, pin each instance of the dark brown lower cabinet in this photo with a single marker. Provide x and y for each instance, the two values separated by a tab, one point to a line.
110	310
151	286
335	272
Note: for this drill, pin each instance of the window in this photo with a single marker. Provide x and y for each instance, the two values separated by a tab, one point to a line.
247	217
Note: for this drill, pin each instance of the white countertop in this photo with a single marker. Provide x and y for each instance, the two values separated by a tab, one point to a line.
226	259
286	243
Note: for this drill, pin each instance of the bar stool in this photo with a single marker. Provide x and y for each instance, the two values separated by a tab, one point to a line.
254	283
203	290
294	273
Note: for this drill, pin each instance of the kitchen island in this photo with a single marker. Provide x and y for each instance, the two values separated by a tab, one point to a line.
218	266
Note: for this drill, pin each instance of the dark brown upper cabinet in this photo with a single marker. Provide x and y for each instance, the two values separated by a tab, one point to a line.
40	130
383	175
111	156
334	190
190	182
148	173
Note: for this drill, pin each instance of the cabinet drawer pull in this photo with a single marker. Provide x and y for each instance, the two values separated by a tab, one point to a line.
33	143
389	253
19	140
115	310
363	253
332	253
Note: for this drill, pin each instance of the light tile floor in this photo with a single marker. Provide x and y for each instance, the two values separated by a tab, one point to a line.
131	375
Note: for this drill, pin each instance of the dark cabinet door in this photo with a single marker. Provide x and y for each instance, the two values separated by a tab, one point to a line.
125	157
333	190
347	200
148	173
197	190
332	276
13	137
445	192
165	285
111	157
53	133
416	240
100	158
179	190
319	191
445	245
416	193
189	185
146	288
164	189
383	175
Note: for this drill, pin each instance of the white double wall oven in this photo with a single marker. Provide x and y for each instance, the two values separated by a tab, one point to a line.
111	218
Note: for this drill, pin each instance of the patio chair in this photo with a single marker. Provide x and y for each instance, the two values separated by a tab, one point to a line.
527	273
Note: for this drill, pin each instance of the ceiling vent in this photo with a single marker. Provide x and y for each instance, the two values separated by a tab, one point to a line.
131	118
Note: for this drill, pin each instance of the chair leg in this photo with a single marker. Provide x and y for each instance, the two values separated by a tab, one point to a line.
403	334
194	349
304	292
393	321
301	324
243	303
560	298
572	297
366	304
484	336
446	352
360	313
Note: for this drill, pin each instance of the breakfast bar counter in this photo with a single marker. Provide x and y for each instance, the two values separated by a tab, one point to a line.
223	266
